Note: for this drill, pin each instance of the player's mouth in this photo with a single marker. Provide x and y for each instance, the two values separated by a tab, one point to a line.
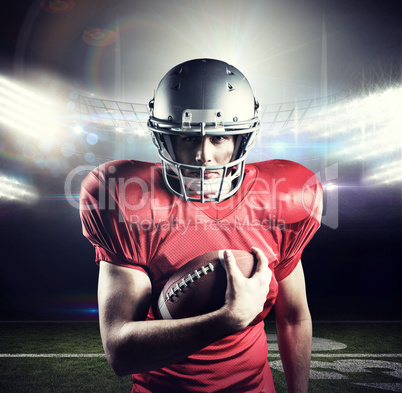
211	175
207	174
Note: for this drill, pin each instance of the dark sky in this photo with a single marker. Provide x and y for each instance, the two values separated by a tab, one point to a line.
290	50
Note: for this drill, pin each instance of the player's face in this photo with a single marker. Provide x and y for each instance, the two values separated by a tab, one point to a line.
204	151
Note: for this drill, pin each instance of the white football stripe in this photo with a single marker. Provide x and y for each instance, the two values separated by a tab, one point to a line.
221	257
165	314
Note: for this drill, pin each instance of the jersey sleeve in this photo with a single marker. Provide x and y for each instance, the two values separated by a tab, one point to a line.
303	218
103	224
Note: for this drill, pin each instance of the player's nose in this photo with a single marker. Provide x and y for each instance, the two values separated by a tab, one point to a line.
204	151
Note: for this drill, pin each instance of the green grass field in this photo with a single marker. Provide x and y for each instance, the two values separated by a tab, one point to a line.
68	357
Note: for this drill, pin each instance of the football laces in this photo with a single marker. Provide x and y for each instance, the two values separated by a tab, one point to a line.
198	273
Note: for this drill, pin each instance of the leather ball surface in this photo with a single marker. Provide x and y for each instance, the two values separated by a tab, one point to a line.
199	286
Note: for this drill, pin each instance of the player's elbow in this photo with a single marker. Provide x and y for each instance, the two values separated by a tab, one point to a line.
124	362
120	370
115	361
123	353
119	364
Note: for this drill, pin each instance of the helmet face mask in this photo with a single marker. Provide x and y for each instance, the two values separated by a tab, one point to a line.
203	98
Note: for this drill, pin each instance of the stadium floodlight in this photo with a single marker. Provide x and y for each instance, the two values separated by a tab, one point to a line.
13	190
78	130
378	109
374	145
28	111
387	173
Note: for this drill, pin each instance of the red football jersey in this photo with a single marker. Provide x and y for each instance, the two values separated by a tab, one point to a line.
134	221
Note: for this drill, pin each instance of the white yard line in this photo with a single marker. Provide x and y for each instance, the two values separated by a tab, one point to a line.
52	355
357	355
271	354
347	355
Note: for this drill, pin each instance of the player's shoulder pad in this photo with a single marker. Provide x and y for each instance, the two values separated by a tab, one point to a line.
122	169
119	170
122	174
295	192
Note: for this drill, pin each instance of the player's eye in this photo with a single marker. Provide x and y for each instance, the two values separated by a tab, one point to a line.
190	139
219	139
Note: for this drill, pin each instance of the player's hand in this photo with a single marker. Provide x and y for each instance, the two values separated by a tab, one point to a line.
245	297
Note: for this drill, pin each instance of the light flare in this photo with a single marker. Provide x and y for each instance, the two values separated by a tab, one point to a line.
387	173
27	111
14	190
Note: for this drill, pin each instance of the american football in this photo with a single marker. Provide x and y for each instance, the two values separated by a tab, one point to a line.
199	286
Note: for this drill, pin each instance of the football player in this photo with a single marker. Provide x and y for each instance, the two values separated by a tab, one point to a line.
147	220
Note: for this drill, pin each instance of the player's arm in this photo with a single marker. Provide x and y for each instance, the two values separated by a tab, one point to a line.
133	345
294	329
